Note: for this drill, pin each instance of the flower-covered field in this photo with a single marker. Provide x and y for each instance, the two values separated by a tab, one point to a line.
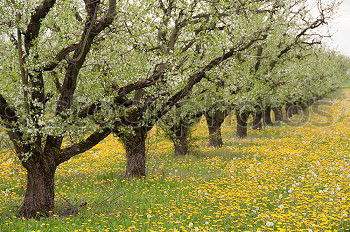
291	177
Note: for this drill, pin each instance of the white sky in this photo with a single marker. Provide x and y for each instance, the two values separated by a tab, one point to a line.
341	28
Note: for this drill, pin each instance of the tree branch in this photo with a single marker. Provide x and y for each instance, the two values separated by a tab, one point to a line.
318	22
33	28
91	30
9	119
197	77
82	146
24	73
108	19
157	74
60	56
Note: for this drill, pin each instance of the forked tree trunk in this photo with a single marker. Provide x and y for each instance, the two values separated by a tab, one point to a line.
267	116
242	121
214	122
278	114
181	140
39	197
135	147
257	120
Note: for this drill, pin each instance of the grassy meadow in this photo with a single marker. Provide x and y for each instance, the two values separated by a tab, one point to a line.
290	177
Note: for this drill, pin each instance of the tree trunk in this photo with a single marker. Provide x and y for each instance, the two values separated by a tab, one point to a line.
39	196
278	114
215	137
295	109
290	110
135	147
267	116
304	106
310	102
214	122
181	141
242	118
257	120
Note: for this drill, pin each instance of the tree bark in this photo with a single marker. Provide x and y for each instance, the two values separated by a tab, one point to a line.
181	140
278	114
310	102
242	118
267	116
39	196
304	106
135	147
291	109
257	120
214	122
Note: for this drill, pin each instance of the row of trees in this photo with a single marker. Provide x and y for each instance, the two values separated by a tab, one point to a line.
299	84
73	72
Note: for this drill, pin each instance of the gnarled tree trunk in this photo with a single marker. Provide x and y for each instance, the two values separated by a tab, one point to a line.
242	121
39	196
278	114
267	116
135	147
214	122
257	120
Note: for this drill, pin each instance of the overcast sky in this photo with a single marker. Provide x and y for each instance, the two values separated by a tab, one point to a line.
341	28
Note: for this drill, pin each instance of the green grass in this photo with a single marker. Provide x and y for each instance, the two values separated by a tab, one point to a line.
213	189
